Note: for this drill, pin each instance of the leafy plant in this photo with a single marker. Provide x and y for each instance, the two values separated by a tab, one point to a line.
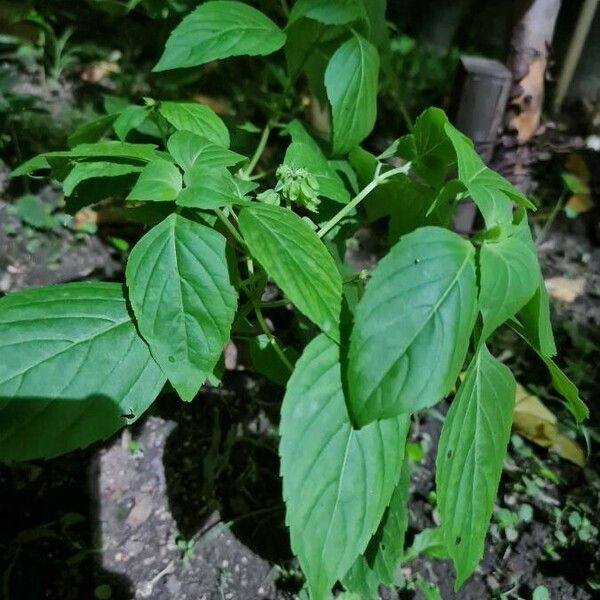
82	360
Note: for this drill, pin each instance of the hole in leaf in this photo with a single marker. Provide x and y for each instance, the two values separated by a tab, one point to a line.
458	540
449	454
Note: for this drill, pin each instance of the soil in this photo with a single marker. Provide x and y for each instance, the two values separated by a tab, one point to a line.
187	504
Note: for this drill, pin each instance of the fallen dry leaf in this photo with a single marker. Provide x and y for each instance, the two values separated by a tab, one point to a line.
533	420
95	71
578	204
565	289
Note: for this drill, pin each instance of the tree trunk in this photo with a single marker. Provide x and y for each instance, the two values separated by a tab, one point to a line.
527	60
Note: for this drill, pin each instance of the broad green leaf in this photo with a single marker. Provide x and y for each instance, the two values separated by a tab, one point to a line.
351	82
267	362
73	369
197	118
337	481
412	326
130	118
210	187
220	29
110	149
327	12
181	295
433	152
297	260
492	193
302	156
187	149
470	457
379	562
509	277
303	41
95	170
408	203
160	181
91	131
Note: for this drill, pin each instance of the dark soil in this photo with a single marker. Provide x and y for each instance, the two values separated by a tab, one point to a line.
187	503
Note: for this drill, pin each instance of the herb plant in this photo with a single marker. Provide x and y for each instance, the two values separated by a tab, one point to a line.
81	360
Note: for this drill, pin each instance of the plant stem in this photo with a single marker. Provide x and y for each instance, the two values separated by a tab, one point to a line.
260	148
232	230
377	181
272	338
550	221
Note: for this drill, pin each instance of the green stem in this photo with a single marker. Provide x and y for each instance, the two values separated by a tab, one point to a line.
550	221
275	303
260	148
232	230
272	338
377	181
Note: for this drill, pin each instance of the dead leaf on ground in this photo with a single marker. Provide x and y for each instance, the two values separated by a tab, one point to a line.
565	289
535	421
95	71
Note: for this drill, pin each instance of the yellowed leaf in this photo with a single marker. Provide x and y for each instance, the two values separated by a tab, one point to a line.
565	289
536	422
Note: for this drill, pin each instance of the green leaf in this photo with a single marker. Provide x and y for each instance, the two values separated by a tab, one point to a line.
568	390
72	366
351	82
509	277
92	131
561	383
211	187
338	486
386	547
470	456
95	170
433	152
196	118
418	310
302	156
220	29
110	149
160	181
181	295
492	193
267	361
535	319
327	12
130	118
429	542
297	260
187	149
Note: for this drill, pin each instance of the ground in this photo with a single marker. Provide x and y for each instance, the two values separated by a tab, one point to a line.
187	504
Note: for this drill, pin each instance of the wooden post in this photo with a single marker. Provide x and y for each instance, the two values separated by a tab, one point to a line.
479	99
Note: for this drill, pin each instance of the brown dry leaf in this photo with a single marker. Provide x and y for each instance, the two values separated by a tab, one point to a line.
95	71
533	420
578	204
565	289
